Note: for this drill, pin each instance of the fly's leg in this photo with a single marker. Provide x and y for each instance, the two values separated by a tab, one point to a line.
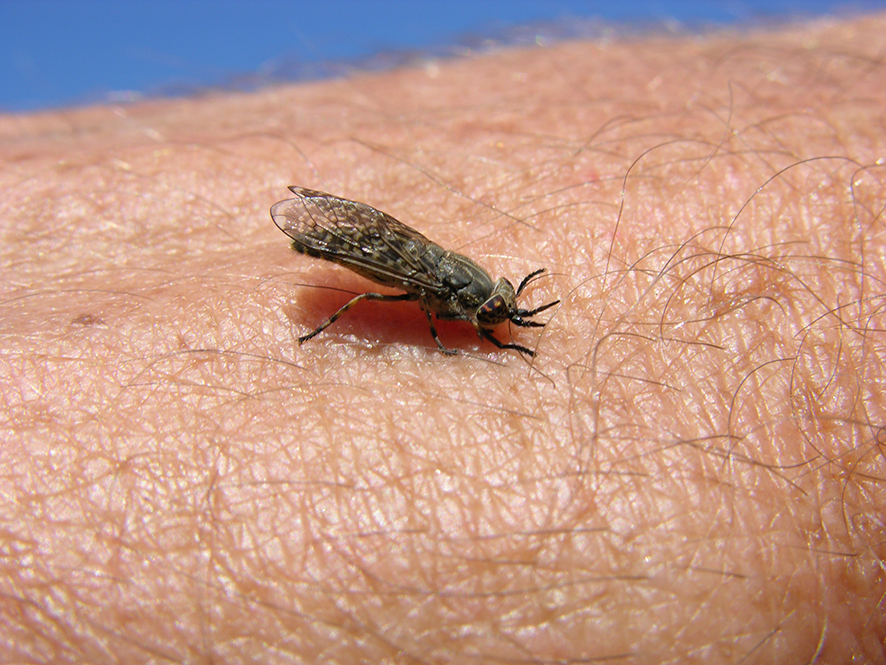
448	352
516	347
365	296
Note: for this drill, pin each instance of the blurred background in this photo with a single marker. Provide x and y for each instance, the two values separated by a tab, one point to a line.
63	53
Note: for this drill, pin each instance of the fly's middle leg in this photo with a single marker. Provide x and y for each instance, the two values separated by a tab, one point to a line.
448	352
363	296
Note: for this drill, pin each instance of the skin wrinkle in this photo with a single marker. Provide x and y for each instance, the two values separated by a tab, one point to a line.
690	470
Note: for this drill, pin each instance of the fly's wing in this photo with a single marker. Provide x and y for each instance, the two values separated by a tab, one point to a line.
358	237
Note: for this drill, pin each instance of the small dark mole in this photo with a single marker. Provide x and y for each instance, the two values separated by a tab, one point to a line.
87	320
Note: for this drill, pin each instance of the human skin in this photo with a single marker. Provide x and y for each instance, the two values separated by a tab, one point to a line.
691	470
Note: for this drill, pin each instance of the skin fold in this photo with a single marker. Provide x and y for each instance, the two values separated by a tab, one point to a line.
690	470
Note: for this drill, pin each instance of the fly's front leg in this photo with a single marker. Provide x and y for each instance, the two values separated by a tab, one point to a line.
364	296
516	347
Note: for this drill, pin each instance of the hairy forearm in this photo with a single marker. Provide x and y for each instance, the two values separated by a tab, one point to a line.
690	469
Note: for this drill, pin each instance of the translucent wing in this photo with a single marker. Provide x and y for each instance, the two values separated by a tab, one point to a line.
358	237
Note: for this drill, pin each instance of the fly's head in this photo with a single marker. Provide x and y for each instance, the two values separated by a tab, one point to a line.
501	305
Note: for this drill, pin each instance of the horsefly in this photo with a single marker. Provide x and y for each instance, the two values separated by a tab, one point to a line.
378	247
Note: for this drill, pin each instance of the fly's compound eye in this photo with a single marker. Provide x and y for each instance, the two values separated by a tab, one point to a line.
494	311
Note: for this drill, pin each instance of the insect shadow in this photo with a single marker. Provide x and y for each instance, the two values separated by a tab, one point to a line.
373	244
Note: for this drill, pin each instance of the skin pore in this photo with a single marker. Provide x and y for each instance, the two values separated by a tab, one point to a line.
691	470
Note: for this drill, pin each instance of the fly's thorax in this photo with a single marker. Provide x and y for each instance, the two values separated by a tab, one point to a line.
466	286
500	305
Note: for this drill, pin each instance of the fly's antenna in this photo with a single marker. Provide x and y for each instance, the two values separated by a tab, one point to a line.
529	278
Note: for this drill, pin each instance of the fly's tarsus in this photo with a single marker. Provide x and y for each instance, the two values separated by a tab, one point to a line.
377	246
485	334
353	301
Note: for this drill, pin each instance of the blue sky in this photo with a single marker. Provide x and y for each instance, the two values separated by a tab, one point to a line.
58	53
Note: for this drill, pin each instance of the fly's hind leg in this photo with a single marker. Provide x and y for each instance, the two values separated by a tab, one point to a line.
364	296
